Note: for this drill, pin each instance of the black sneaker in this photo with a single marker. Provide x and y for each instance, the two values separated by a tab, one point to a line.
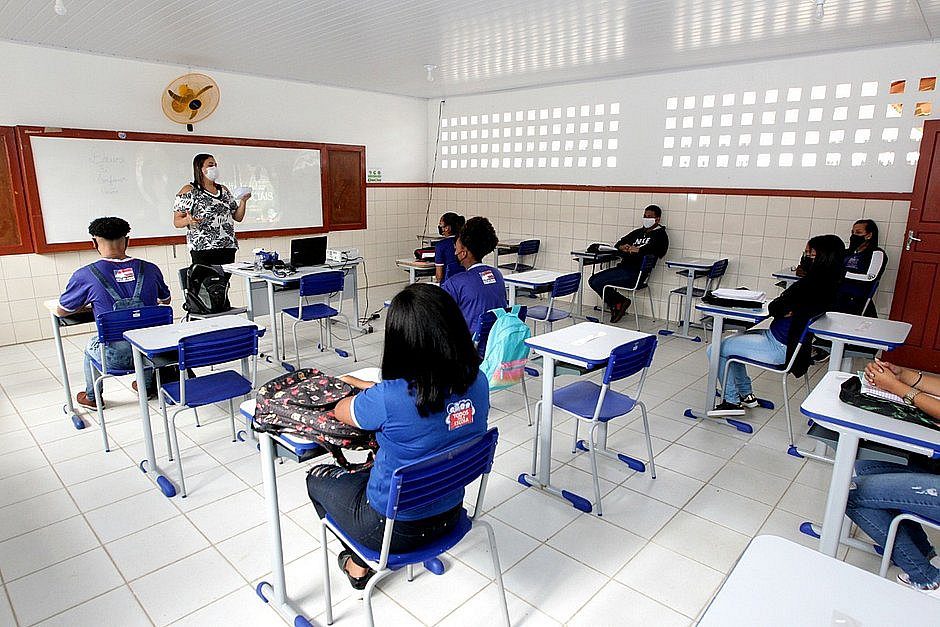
727	409
750	401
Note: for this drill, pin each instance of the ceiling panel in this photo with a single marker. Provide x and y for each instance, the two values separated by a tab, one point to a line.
478	45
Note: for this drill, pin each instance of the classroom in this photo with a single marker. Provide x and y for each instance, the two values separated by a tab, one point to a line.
456	313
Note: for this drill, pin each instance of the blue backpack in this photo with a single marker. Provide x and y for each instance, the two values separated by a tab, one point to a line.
133	302
506	351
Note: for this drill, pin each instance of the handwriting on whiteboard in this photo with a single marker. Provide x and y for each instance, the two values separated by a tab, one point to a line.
107	169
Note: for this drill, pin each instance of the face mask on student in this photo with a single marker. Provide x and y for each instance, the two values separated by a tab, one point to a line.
648	223
806	262
855	241
440	230
212	173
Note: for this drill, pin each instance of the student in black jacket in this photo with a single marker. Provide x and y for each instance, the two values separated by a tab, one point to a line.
650	239
865	262
791	311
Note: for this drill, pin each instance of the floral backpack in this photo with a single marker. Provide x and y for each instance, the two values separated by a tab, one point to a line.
301	403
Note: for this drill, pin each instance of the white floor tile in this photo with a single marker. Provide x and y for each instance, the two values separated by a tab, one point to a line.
704	541
240	608
250	551
750	482
553	582
74	581
483	609
710	442
616	605
512	545
732	510
28	484
636	512
109	488
804	501
677	582
597	543
769	460
669	486
45	546
229	516
119	606
451	590
206	487
18	462
186	586
6	612
130	515
536	514
93	465
34	513
690	462
156	546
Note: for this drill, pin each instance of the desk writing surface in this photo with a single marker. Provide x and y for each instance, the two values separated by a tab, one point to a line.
734	313
414	263
532	277
823	406
166	337
848	326
777	582
586	342
691	262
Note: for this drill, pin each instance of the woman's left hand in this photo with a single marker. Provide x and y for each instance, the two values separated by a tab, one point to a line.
883	378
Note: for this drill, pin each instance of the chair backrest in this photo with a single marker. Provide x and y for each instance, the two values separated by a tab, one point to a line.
217	347
488	319
646	269
184	278
319	283
432	477
628	359
566	284
112	324
529	247
718	269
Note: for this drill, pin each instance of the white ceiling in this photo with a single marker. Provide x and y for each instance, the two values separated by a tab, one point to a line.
478	45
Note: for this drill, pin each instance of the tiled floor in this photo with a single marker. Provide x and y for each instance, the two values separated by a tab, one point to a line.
85	539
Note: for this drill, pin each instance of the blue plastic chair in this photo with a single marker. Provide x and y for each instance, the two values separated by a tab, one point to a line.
712	282
487	320
893	532
564	285
642	283
527	248
413	486
784	371
598	404
209	349
329	284
111	326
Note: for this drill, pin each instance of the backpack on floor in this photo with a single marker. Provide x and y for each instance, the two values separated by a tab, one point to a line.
206	290
506	351
301	403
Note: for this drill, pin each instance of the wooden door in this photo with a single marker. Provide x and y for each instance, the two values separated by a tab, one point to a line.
917	292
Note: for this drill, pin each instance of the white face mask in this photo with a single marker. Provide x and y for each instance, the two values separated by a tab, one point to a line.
648	223
212	173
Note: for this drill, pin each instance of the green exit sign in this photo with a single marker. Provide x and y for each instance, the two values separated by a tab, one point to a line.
374	175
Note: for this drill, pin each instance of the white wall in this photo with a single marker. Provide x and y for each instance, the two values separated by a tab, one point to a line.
47	87
642	120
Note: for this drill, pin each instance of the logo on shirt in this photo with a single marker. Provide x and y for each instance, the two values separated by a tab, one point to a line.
459	413
641	242
487	277
124	275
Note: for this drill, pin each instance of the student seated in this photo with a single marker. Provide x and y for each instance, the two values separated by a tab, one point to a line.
431	397
481	287
650	239
445	259
809	296
116	281
865	262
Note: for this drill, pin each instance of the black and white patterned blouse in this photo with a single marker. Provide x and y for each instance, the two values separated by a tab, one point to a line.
216	228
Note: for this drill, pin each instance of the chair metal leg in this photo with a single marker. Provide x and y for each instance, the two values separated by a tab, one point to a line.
636	313
597	483
327	599
497	570
574	442
296	343
889	545
367	596
179	456
411	572
99	409
525	395
649	293
166	423
786	409
231	410
649	441
196	416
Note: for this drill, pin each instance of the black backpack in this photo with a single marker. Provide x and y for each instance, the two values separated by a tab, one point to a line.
206	290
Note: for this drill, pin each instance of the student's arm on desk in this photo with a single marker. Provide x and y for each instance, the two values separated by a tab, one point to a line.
901	381
63	313
343	410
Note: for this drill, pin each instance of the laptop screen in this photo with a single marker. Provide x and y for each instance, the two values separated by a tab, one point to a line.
308	251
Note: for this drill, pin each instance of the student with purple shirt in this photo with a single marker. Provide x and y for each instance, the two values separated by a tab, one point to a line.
481	287
97	286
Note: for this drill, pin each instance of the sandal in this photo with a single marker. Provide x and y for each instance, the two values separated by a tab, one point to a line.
358	583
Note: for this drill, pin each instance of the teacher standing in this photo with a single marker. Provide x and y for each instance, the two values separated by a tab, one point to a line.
209	212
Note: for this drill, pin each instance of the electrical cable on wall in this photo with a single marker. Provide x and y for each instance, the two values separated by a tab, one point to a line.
437	144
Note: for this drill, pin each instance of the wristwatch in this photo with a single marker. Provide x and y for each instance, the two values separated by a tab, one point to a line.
909	397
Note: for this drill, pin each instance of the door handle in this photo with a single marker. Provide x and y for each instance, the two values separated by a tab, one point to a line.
910	239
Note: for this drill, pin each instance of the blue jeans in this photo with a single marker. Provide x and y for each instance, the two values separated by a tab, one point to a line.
118	356
882	490
757	345
619	276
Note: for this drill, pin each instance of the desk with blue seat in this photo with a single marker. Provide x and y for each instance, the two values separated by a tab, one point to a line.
535	280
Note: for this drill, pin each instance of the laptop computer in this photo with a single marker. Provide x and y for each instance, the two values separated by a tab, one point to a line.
308	251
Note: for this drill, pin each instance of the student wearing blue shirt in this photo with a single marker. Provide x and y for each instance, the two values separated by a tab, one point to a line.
431	397
481	287
445	259
97	285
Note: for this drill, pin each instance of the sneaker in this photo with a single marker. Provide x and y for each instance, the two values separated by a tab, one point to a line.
750	401
150	395
727	409
84	401
929	588
358	583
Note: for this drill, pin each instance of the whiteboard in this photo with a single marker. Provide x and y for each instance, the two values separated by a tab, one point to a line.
83	179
